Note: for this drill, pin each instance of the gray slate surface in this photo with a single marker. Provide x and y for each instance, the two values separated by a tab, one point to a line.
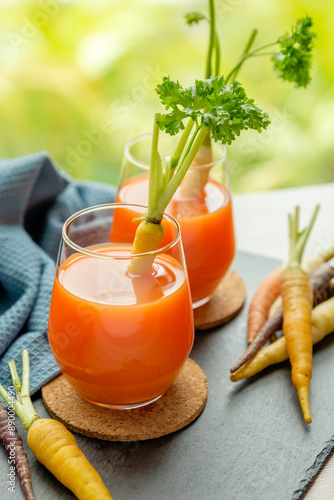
250	443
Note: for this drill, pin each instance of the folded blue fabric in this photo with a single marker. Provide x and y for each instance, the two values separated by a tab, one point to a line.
35	200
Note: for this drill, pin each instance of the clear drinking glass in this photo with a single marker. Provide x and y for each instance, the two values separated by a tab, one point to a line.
204	213
119	338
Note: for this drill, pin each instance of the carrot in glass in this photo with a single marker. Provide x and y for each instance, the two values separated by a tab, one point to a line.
54	446
206	226
205	106
297	297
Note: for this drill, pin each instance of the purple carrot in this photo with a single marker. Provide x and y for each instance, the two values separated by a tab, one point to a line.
12	442
322	290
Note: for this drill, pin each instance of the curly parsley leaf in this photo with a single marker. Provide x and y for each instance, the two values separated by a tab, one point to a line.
293	62
194	18
223	109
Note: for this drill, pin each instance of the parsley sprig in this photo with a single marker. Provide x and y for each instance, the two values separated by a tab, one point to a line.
223	109
291	59
216	107
293	62
211	105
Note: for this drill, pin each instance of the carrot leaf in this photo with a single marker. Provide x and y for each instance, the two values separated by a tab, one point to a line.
194	17
298	239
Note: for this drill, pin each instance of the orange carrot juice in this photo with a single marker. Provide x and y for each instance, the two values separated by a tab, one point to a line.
120	339
206	228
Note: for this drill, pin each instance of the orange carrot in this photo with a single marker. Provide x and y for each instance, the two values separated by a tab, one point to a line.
265	295
53	445
297	297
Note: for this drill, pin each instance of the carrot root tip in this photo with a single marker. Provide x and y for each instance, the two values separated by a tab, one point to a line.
305	404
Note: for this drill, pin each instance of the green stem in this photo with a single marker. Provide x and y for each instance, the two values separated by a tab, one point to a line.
208	71
25	409
248	55
217	56
190	145
15	377
25	392
168	193
297	240
181	144
246	50
155	178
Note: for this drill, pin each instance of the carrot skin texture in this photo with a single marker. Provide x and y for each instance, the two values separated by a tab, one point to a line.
271	326
319	271
148	238
322	325
56	448
322	290
297	297
8	436
263	298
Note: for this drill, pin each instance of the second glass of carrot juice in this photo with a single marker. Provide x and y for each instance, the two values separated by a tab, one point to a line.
202	206
120	338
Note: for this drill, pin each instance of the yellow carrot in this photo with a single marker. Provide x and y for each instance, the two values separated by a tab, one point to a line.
148	238
56	448
53	445
297	298
309	264
322	325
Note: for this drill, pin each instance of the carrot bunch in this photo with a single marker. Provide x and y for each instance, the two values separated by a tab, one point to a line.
52	444
303	321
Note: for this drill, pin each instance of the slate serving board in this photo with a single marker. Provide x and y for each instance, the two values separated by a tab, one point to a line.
250	442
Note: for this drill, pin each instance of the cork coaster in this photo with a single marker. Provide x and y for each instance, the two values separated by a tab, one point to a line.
225	304
181	404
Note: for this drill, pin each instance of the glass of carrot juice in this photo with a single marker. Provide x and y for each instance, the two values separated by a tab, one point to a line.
202	205
119	338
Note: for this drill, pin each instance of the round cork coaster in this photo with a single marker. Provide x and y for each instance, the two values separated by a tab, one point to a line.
226	302
181	404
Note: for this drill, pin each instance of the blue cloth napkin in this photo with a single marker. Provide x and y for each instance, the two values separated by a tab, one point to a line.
35	200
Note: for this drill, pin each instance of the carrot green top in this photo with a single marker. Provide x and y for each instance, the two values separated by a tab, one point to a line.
297	240
22	404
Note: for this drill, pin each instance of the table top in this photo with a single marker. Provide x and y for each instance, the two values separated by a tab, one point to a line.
261	228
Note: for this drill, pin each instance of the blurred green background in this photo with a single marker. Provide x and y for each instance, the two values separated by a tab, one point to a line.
78	77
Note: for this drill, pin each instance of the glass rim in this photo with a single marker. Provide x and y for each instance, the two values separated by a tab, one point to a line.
146	166
106	206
